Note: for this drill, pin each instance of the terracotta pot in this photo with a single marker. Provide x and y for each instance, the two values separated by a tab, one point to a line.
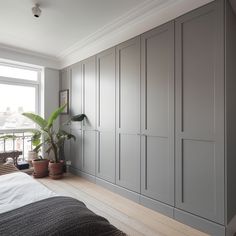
40	168
55	170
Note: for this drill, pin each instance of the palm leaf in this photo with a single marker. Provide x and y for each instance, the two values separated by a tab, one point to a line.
54	115
36	149
36	119
36	138
8	136
65	134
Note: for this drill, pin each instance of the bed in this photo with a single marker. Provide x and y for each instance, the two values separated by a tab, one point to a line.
29	208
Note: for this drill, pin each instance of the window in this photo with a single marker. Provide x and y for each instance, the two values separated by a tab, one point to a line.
11	71
19	92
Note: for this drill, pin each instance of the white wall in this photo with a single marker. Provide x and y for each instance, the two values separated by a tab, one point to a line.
50	99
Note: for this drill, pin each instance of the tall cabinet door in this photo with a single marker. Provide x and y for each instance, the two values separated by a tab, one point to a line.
75	109
88	108
157	114
200	113
128	115
76	149
105	158
89	92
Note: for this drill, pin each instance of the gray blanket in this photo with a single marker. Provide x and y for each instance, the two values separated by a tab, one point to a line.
61	216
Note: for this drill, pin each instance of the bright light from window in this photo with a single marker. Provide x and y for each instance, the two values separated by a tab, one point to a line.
14	100
18	73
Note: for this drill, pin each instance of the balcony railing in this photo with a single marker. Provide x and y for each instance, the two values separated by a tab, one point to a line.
22	142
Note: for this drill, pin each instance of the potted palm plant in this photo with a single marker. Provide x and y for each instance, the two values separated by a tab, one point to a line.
39	164
51	138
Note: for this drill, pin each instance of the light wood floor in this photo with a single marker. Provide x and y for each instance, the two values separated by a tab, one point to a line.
130	217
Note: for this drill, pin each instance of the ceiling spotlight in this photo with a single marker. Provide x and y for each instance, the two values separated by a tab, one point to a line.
36	10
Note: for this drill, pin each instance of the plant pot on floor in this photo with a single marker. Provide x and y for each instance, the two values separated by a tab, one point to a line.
40	168
55	170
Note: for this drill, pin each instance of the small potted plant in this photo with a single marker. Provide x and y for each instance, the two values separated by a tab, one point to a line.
39	164
51	138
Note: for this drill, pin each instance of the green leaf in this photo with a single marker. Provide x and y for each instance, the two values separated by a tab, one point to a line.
36	149
66	135
33	131
36	138
54	115
36	142
79	117
8	136
36	119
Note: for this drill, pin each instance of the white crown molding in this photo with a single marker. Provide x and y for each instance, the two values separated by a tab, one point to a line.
144	17
128	17
138	20
29	57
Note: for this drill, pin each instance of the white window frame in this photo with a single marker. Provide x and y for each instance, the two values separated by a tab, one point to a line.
24	82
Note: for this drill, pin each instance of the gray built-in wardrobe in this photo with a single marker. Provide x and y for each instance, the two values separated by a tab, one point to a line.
161	118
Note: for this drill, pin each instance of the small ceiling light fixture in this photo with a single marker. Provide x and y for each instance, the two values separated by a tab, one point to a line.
36	10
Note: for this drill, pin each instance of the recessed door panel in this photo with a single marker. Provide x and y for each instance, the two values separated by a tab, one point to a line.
157	169
158	72
76	149
198	75
106	90
106	155
89	92
199	183
89	146
128	85
128	161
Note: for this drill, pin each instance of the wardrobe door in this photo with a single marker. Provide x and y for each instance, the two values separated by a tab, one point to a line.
105	158
128	115
200	112
88	108
76	93
75	72
89	92
76	149
88	151
157	113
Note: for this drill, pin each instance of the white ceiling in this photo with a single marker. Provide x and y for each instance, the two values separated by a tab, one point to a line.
70	30
62	23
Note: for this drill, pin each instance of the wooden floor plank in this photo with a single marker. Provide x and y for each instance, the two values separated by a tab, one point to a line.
130	217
